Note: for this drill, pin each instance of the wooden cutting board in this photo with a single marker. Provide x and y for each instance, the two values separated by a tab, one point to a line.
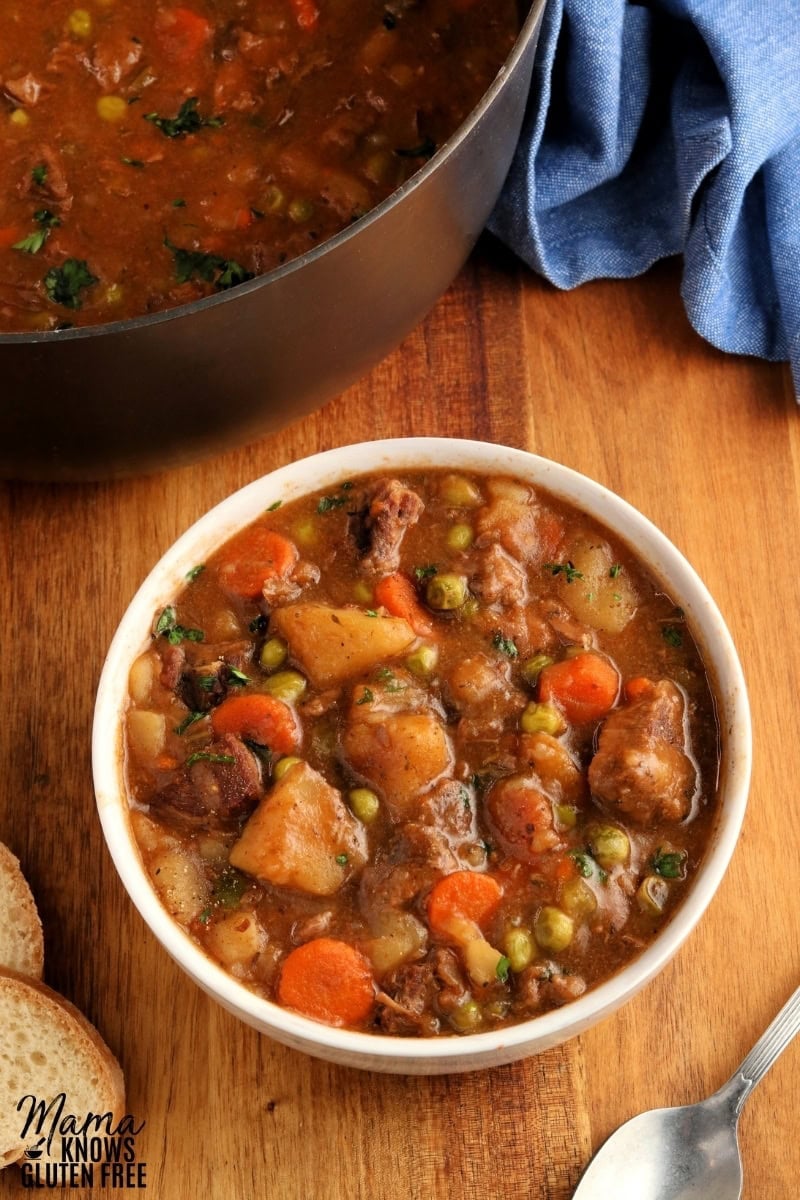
612	381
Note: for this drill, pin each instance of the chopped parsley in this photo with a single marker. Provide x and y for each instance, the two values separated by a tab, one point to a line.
188	120
237	677
207	682
179	203
366	697
204	756
388	678
192	719
224	273
342	860
33	243
273	507
327	503
672	636
168	627
426	571
229	888
502	968
668	863
587	867
371	612
567	569
195	571
505	645
39	174
65	283
614	570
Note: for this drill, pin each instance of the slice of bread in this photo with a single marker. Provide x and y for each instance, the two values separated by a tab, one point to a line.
21	941
48	1048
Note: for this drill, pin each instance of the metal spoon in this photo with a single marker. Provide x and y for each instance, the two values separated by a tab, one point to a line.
688	1153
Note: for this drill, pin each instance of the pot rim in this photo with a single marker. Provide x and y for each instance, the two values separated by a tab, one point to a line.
413	1054
149	320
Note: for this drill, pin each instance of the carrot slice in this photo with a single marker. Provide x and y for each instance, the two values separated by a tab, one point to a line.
259	717
637	687
465	896
398	595
584	687
182	32
328	980
251	557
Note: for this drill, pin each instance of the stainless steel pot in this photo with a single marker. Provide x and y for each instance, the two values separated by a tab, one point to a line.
160	390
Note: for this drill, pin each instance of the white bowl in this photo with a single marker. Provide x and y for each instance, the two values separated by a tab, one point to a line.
374	1051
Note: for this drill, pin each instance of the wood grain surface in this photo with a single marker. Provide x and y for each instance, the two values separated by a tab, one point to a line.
610	380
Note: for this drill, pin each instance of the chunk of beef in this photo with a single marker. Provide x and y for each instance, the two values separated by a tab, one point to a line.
448	808
544	985
173	664
643	767
216	790
206	677
480	689
414	994
26	90
497	578
514	518
283	589
114	57
55	183
390	509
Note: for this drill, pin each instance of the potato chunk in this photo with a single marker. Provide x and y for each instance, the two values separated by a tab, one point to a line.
333	644
600	599
401	755
301	836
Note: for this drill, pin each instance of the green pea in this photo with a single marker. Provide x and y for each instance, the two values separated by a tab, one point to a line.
423	660
553	929
446	592
652	895
533	667
519	948
273	200
460	537
466	1017
300	211
364	804
273	654
288	686
577	899
542	718
283	765
610	845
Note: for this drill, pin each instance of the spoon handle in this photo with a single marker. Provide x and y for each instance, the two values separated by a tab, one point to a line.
772	1042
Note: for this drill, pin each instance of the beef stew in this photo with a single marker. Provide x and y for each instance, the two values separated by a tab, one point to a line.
422	755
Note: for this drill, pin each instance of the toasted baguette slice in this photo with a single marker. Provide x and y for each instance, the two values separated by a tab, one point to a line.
46	1048
21	941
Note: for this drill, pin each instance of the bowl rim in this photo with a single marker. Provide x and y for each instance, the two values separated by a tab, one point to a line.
446	151
323	469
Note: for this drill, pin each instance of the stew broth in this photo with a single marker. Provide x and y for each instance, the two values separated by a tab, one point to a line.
154	153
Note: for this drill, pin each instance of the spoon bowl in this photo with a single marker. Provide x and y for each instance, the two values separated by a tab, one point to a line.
691	1152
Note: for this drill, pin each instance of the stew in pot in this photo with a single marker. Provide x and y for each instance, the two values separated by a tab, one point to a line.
152	153
422	755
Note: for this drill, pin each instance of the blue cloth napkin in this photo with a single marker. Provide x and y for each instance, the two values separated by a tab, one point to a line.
665	128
